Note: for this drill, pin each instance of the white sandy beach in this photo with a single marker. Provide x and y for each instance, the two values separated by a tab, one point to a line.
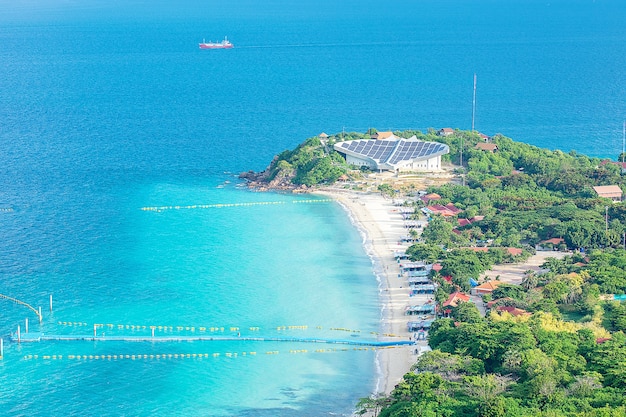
383	225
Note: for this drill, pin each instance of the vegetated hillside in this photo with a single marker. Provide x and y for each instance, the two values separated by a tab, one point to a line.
316	162
311	163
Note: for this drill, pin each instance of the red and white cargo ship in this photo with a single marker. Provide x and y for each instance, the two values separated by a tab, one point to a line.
225	44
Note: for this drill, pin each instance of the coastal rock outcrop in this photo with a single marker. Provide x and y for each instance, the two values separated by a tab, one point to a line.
271	179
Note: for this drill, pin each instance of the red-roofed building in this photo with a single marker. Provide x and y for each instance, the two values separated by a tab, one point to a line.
448	210
383	136
437	209
492	302
489	147
464	222
622	165
467	222
486	287
428	198
612	192
437	267
455	298
454	209
446	131
554	240
550	244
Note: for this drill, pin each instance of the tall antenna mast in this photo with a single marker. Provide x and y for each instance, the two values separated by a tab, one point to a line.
623	141
474	103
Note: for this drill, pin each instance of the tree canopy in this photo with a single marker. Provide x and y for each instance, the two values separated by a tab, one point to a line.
562	353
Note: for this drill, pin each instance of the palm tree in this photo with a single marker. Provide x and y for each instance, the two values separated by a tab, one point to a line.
530	280
574	294
373	404
556	266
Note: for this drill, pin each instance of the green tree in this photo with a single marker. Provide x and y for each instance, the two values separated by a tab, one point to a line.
428	253
464	264
386	190
493	407
515	292
437	232
423	386
442	335
485	387
467	313
530	280
449	366
372	404
615	316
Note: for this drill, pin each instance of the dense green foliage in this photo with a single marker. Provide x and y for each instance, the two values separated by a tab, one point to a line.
310	163
315	162
569	357
507	368
529	194
502	365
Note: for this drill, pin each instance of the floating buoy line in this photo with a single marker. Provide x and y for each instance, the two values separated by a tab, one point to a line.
197	356
25	304
225	205
210	329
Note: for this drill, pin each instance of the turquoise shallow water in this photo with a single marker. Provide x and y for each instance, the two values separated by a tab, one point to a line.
214	271
107	107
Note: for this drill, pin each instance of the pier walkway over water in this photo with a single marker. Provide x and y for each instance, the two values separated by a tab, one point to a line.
162	334
40	337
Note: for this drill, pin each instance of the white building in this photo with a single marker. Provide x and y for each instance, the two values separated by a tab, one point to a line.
394	154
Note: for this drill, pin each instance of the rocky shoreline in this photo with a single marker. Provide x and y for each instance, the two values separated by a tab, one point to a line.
259	181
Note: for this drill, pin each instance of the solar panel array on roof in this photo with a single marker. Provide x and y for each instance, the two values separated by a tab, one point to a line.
393	152
375	149
408	150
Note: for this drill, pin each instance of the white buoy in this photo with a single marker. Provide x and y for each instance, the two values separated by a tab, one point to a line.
40	316
50	302
26	326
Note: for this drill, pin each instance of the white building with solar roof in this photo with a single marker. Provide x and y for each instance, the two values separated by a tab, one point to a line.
393	154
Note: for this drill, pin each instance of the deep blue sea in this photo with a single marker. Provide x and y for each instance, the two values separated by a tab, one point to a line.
108	107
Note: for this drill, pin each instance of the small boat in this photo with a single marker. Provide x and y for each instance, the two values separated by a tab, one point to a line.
225	44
